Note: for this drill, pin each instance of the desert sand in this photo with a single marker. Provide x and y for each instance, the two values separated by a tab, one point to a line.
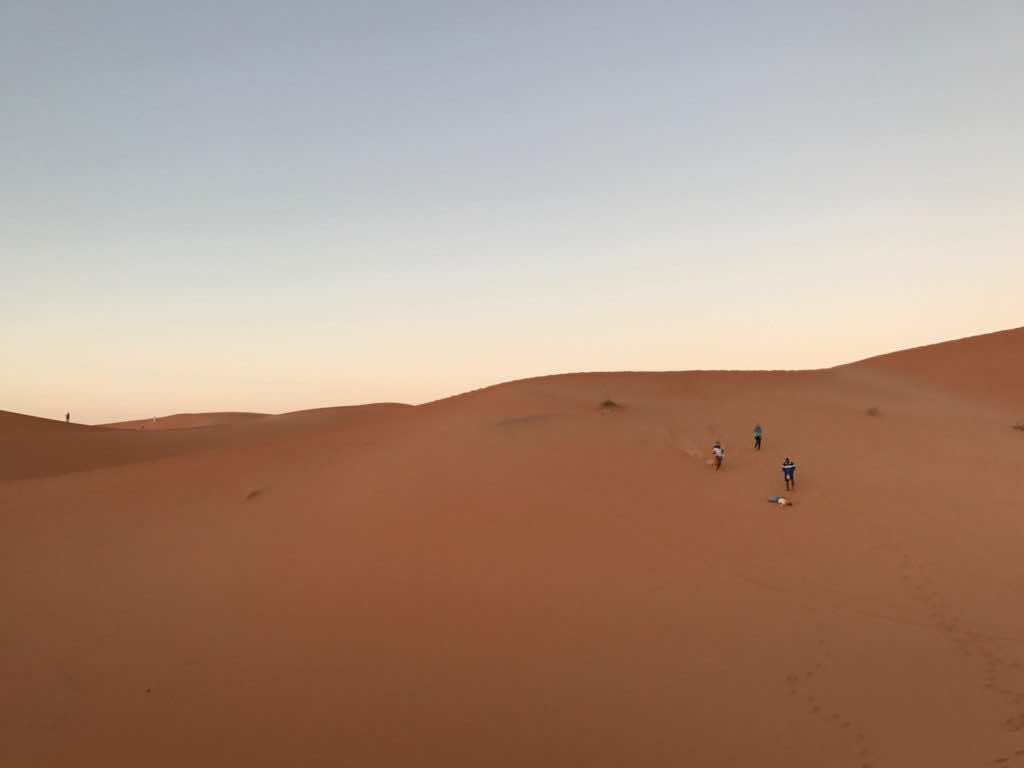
187	421
519	576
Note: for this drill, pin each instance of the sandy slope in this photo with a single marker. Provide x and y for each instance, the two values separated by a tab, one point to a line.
32	447
187	421
984	367
517	577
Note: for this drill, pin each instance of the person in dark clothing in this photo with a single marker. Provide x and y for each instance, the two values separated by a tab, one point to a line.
67	417
758	432
789	473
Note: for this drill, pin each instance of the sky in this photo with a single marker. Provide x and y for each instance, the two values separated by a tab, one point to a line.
271	206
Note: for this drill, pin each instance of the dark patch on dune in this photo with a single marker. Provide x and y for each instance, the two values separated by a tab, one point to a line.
609	406
874	410
254	494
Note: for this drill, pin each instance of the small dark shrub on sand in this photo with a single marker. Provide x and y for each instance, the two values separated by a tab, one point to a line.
609	405
874	410
1019	426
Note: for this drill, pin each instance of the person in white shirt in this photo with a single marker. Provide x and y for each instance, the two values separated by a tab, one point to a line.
719	454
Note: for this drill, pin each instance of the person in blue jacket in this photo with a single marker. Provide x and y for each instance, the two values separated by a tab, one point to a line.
789	473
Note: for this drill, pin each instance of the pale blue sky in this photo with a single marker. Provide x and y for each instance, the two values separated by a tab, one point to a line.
271	206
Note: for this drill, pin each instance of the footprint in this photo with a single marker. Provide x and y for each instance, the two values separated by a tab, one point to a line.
1015	723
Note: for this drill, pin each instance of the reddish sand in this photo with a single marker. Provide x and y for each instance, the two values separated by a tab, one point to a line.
187	421
517	576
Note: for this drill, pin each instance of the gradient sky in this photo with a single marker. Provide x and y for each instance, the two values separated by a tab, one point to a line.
273	206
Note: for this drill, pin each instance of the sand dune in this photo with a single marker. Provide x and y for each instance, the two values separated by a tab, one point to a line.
32	447
987	368
187	421
518	576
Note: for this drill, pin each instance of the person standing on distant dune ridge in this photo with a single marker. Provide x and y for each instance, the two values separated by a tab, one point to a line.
719	453
789	473
758	432
67	417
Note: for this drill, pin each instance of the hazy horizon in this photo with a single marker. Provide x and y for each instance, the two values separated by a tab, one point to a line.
255	207
442	396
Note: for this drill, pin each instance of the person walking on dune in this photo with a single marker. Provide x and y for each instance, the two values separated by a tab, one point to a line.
67	417
789	473
758	432
719	453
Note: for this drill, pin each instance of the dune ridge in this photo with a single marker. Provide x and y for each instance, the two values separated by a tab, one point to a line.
187	420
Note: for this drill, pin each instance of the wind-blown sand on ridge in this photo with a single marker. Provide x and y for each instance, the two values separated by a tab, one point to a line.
516	577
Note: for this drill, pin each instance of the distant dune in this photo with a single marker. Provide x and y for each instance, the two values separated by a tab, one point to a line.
519	576
28	448
187	421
